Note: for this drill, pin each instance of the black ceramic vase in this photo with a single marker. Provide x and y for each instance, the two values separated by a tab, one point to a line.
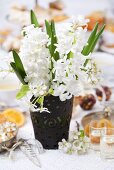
51	128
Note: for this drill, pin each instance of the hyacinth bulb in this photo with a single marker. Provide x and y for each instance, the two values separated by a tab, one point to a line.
87	102
107	92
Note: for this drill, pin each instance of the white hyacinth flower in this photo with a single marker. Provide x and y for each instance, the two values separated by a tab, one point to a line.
66	75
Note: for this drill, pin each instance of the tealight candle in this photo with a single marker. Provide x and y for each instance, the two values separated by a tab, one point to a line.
107	143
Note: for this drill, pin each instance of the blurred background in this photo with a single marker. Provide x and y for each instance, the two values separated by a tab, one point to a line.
72	7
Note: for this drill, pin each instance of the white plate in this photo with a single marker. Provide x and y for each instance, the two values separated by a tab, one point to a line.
9	83
107	49
104	59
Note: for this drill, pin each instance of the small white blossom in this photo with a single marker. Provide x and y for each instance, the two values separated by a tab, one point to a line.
77	143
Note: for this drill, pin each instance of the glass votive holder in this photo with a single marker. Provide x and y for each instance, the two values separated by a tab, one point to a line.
107	143
95	134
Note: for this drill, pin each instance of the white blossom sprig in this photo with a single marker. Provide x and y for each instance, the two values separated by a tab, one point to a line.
78	143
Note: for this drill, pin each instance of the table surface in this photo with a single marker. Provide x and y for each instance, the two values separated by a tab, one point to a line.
55	159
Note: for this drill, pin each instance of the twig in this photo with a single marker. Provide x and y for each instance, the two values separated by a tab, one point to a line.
78	126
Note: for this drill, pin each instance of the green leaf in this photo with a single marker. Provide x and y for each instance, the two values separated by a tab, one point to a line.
82	133
55	55
24	33
23	91
86	50
48	28
34	19
93	34
51	91
69	55
53	39
40	100
97	37
17	73
86	62
49	32
66	74
18	65
83	69
53	27
76	77
91	43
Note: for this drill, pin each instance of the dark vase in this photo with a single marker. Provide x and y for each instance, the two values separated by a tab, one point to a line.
51	128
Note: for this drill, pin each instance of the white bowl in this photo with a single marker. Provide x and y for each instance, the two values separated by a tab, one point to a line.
8	89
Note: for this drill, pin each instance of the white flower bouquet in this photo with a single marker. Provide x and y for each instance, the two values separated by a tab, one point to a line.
55	60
